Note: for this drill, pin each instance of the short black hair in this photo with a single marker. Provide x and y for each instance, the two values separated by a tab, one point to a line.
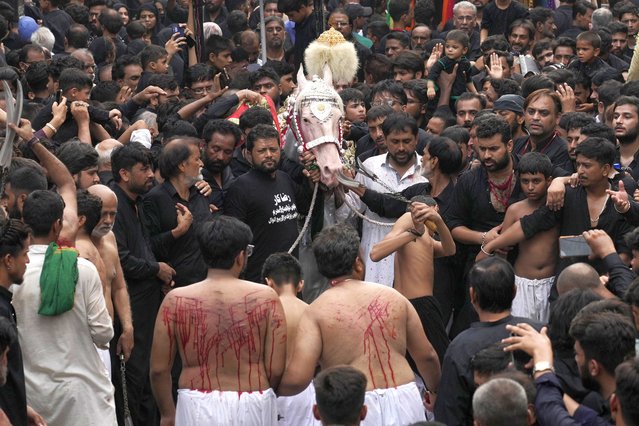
77	36
562	312
609	91
89	206
493	281
286	6
223	127
399	122
216	44
601	150
178	128
336	249
459	36
403	38
495	42
135	30
470	96
152	53
163	81
627	383
581	8
539	15
261	73
410	61
254	116
607	337
490	360
379	66
575	120
37	76
340	393
127	156
599	130
77	156
221	241
14	236
618	27
117	70
78	12
394	88
349	94
261	132
459	134
448	154
25	180
492	125
198	73
173	154
535	162
536	82
591	37
397	8
73	78
41	210
282	268
105	91
378	111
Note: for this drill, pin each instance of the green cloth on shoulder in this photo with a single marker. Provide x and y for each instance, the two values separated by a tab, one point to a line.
58	280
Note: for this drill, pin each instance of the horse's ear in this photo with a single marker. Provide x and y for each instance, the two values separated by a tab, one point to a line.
328	75
301	79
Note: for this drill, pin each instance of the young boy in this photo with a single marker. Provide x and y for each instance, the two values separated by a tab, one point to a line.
455	49
588	61
283	273
354	114
155	60
535	264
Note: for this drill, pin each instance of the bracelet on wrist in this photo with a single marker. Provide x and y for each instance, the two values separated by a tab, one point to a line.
34	140
483	238
624	212
542	366
52	127
485	252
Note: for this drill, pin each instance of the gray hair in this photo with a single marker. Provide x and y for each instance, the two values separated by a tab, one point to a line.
601	18
500	402
464	5
104	149
43	37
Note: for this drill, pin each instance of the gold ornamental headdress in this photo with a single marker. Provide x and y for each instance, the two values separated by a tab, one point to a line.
332	48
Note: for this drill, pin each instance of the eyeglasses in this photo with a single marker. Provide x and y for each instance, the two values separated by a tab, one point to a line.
340	24
389	102
249	250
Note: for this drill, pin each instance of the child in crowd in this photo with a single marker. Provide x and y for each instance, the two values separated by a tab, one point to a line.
455	49
588	61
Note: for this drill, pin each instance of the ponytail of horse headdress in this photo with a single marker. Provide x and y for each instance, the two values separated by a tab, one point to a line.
316	109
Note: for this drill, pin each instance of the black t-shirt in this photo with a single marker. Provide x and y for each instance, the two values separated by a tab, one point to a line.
268	206
58	21
497	21
13	396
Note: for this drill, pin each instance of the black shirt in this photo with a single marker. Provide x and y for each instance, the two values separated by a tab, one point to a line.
563	19
68	129
589	70
574	219
554	148
445	64
305	33
269	206
219	193
13	396
183	253
58	21
138	262
572	32
456	387
497	21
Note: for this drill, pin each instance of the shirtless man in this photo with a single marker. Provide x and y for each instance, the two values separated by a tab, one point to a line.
367	326
416	284
283	273
103	240
536	262
230	334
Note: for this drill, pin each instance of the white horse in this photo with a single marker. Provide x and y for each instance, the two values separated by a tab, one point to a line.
315	118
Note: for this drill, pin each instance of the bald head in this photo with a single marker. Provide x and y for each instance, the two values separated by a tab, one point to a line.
105	148
109	209
251	44
579	275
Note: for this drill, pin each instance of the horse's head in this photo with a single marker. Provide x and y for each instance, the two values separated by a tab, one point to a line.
317	124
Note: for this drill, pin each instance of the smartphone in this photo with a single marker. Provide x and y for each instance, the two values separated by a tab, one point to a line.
573	246
179	30
190	42
58	96
225	78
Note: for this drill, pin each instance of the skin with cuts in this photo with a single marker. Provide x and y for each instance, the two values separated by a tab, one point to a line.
230	333
367	326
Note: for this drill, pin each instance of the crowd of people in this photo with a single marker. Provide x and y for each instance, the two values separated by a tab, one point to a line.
163	260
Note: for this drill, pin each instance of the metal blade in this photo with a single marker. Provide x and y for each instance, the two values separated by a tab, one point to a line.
7	146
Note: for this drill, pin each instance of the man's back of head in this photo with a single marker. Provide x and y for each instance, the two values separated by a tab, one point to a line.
222	240
625	400
42	212
500	402
340	393
577	276
492	283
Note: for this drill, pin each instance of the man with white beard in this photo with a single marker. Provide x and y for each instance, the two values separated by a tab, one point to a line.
172	208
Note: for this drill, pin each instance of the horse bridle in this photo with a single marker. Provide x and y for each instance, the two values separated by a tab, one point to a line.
322	105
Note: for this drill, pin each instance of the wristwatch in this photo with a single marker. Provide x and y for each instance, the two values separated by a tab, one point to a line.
542	366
